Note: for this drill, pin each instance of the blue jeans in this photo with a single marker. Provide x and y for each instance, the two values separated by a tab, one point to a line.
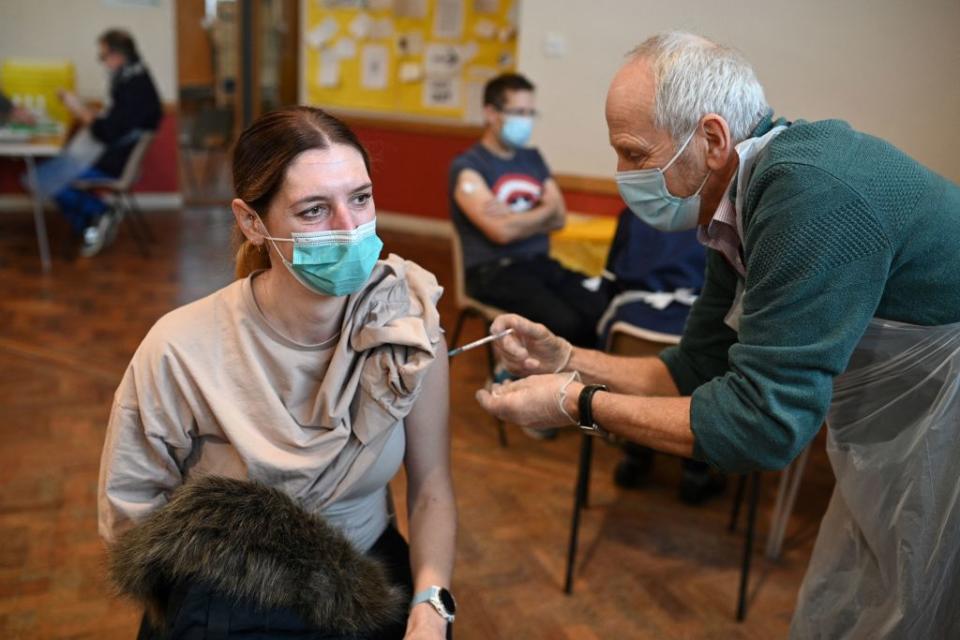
81	208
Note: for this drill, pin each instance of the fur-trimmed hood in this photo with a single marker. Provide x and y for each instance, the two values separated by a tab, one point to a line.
253	543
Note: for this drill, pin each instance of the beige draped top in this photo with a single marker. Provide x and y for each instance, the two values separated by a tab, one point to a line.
214	389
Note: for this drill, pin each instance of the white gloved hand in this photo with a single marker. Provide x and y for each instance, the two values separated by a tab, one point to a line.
531	348
536	401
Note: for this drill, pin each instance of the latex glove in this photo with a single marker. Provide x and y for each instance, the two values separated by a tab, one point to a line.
535	402
531	348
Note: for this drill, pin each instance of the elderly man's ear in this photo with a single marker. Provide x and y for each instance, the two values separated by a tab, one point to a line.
719	143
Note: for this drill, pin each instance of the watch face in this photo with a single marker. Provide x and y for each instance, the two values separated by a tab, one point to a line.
448	602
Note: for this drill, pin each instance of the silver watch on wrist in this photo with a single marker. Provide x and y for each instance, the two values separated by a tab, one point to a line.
440	599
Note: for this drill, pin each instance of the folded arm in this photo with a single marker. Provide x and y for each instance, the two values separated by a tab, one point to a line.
494	218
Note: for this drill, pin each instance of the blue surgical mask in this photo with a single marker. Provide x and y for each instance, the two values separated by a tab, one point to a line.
645	192
333	263
516	130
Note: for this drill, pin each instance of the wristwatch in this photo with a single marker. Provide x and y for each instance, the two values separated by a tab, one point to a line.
585	407
441	599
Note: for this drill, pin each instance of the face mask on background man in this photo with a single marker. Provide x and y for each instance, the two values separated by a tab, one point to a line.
516	130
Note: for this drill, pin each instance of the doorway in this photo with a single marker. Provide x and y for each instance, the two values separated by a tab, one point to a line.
236	60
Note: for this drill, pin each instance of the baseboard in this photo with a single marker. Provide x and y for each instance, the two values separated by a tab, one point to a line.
407	223
146	201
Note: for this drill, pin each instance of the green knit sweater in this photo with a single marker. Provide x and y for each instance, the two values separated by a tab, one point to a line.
839	227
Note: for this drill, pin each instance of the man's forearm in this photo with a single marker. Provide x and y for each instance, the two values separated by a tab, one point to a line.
519	226
659	423
647	376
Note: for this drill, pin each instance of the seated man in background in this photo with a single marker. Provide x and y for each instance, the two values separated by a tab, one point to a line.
101	147
504	203
651	280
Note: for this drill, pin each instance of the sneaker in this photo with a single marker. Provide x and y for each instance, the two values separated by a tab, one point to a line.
115	215
633	470
95	236
698	487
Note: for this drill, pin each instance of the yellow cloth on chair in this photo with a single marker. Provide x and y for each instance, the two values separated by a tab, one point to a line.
583	244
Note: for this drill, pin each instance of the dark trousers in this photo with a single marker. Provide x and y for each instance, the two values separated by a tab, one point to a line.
81	208
542	290
197	612
641	455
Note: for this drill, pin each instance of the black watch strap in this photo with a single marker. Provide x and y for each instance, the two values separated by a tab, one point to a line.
585	407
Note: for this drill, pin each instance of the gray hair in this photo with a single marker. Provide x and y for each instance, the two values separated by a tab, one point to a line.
694	76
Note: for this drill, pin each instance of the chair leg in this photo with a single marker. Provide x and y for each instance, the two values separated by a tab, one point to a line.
135	230
186	163
579	500
737	502
457	328
786	496
141	220
748	547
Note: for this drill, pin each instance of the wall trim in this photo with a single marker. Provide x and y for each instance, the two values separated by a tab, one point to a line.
408	125
147	201
587	184
411	223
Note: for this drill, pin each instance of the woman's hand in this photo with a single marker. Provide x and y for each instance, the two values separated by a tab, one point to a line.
531	348
425	623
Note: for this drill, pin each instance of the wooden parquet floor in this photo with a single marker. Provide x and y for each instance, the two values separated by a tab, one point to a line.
649	566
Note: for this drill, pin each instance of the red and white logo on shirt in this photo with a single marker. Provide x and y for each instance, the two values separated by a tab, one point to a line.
518	191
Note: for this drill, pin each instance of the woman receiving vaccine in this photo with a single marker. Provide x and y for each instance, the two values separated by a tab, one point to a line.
244	478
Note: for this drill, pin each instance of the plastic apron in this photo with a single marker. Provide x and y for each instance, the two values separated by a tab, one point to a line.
886	563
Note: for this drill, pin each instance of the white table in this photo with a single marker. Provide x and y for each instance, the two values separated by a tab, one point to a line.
30	150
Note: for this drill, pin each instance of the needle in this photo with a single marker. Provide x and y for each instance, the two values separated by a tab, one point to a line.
478	343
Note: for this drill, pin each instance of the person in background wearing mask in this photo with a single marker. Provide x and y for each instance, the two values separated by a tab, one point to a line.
504	203
134	107
832	292
311	379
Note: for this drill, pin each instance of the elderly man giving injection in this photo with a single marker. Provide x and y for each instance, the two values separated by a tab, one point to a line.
832	293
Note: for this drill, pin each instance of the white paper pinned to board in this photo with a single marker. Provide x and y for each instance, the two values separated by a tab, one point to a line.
322	33
373	66
345	48
328	75
448	19
411	9
442	60
441	92
410	72
360	26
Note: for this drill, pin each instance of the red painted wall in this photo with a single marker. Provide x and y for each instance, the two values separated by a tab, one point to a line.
410	170
410	173
160	166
